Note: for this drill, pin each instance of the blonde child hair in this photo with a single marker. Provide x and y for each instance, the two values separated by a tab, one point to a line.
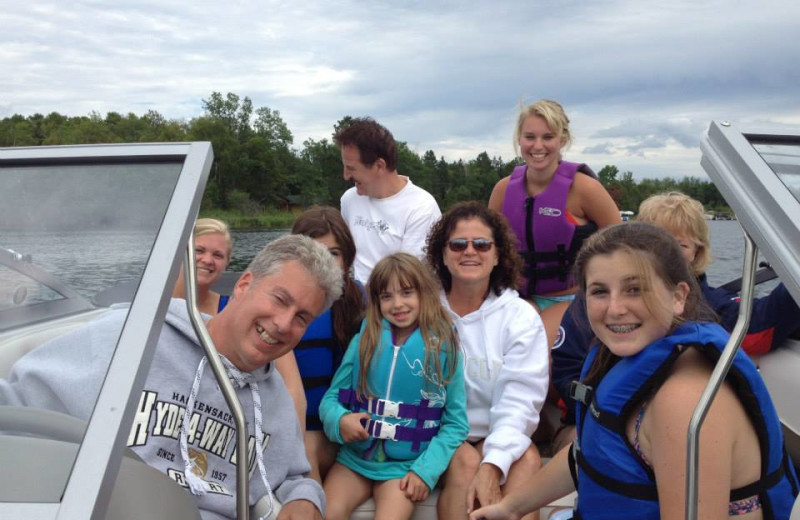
434	322
682	216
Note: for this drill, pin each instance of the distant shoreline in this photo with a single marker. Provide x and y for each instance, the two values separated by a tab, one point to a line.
267	220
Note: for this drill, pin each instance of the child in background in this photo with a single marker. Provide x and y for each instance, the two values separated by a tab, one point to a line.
655	353
774	317
397	403
322	346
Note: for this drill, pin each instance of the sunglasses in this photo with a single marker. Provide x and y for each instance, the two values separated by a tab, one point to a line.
481	245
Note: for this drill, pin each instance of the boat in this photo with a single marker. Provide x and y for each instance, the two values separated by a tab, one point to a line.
138	204
149	194
757	171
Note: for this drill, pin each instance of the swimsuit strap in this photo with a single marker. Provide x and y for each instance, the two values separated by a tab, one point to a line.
636	427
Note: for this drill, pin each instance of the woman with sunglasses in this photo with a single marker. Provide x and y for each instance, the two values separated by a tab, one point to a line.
472	251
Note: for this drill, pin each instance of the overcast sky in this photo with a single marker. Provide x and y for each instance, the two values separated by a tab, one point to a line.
640	80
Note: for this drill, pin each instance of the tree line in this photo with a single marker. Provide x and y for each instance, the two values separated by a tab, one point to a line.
257	167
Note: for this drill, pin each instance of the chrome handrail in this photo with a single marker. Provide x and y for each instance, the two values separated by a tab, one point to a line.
242	477
718	376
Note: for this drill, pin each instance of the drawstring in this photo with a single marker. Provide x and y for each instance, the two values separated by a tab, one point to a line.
242	379
197	485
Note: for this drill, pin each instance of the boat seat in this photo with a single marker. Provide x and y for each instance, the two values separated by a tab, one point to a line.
15	346
795	510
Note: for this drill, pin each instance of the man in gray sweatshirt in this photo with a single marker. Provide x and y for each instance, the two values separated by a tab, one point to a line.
288	284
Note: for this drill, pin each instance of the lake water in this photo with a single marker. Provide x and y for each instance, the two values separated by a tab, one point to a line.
101	265
727	246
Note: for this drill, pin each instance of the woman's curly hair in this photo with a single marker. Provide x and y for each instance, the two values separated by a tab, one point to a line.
508	271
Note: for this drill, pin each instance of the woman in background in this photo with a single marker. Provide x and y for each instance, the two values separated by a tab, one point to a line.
213	246
552	206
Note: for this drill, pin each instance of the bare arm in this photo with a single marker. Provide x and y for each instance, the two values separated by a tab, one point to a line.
666	429
595	202
287	366
552	482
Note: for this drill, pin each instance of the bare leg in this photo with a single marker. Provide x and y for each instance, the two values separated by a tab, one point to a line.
345	490
321	454
390	501
452	504
520	473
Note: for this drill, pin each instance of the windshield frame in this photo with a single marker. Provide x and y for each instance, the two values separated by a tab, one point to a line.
94	472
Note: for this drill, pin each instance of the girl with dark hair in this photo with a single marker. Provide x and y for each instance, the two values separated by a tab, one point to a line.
642	381
321	349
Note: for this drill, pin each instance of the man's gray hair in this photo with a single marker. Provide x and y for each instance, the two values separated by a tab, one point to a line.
313	256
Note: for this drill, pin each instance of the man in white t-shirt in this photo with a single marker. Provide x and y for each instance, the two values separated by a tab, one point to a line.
385	211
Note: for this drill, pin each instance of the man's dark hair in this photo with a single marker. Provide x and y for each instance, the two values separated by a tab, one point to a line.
372	139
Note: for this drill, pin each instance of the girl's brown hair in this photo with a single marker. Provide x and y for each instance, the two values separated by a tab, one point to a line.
657	255
347	311
434	322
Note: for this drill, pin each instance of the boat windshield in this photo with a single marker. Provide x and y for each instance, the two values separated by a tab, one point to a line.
88	235
757	170
784	159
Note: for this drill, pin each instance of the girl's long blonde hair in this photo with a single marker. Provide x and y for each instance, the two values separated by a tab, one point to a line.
434	322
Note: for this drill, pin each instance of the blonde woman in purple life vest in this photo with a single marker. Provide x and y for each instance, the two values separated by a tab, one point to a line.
552	206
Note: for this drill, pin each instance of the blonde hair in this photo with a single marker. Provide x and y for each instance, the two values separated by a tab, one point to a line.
209	226
552	113
434	323
682	216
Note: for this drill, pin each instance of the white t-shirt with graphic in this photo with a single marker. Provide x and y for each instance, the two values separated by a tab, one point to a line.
381	227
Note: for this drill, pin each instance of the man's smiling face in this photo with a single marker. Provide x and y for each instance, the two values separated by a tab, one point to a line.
266	318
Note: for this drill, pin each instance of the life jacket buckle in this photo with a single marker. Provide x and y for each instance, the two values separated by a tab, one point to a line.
382	430
581	392
385	408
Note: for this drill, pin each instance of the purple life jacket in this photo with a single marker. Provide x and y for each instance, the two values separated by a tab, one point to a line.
546	239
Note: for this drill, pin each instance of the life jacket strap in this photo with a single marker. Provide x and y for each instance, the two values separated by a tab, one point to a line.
392	409
395	432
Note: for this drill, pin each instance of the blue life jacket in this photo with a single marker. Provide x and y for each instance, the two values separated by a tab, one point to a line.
547	239
613	479
318	356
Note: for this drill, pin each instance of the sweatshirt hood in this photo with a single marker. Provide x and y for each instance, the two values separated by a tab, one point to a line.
490	305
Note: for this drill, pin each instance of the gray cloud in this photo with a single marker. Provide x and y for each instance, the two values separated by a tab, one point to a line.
639	81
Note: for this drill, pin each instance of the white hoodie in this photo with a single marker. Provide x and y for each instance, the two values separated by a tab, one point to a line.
507	374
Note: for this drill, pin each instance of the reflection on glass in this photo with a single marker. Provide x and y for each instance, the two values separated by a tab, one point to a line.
784	159
17	290
76	231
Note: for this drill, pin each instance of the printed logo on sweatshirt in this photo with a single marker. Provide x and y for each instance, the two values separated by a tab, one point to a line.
562	335
478	368
207	434
379	226
214	487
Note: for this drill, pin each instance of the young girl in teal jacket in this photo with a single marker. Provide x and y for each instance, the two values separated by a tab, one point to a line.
397	403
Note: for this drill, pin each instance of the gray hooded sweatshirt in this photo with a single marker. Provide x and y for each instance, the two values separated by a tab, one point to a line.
65	375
